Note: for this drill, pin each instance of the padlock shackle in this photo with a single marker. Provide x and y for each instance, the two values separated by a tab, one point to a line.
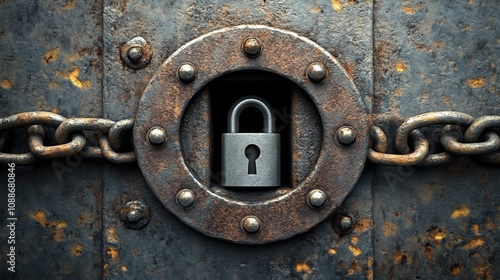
235	112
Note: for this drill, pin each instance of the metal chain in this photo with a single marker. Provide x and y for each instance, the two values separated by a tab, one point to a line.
459	135
69	135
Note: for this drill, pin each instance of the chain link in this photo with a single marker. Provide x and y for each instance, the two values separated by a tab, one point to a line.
452	138
460	134
70	137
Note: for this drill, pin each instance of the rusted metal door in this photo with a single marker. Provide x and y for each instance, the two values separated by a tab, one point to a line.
68	217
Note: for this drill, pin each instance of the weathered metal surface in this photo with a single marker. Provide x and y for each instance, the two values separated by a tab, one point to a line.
166	98
436	222
51	60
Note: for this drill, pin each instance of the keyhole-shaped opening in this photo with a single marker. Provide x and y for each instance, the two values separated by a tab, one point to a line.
252	152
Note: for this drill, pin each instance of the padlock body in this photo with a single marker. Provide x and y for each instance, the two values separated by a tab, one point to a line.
235	164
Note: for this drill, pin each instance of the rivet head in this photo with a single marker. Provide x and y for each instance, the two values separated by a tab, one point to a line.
316	199
134	53
342	223
157	136
135	214
346	135
186	72
316	72
251	224
252	47
185	198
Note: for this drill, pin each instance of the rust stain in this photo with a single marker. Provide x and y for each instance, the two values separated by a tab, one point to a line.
474	243
461	211
401	258
436	234
77	250
337	5
112	236
425	96
303	267
354	268
113	253
456	269
6	84
54	110
428	252
369	272
70	5
57	227
470	1
400	66
398	92
332	251
490	225
316	10
362	225
354	250
437	44
354	240
52	55
409	10
483	271
124	268
476	229
389	229
476	82
446	101
73	77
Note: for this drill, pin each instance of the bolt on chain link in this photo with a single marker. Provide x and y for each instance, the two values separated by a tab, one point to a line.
69	135
460	135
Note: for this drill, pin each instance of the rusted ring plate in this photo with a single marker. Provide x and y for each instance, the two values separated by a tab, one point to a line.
287	54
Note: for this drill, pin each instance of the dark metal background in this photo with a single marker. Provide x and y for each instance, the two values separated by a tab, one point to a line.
406	57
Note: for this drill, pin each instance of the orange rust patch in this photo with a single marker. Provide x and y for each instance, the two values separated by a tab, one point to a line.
332	251
355	251
409	10
401	258
398	92
303	267
400	66
461	211
57	227
389	229
476	229
54	85
316	10
355	267
490	225
52	55
428	252
436	234
354	240
446	101
362	225
337	5
476	82
113	253
77	250
112	236
70	5
72	76
483	271
456	269
6	84
124	268
474	243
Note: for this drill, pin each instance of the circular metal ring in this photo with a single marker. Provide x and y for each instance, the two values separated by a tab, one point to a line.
36	135
117	131
474	131
164	102
450	140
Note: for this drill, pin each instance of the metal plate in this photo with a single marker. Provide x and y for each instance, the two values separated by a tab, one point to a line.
217	53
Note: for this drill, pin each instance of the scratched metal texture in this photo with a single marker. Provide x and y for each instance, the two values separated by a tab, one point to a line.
51	60
427	223
436	222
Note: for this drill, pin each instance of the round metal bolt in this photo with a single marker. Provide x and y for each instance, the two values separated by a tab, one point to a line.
134	53
316	198
135	214
252	47
342	223
251	224
346	135
185	198
157	136
316	72
186	72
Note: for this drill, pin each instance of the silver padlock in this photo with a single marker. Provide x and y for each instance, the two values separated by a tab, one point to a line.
251	159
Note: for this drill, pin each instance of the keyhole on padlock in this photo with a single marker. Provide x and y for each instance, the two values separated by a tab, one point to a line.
252	152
